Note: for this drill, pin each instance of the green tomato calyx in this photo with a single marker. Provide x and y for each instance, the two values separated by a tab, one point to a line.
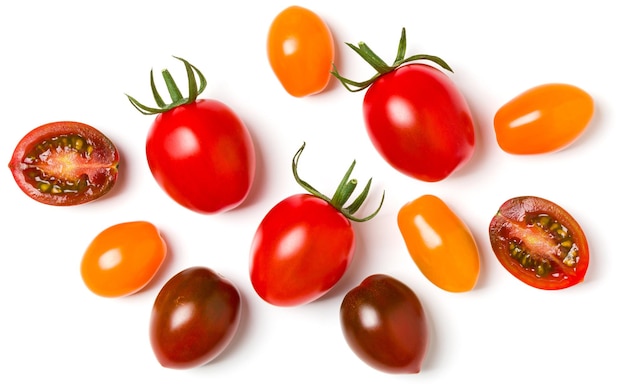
381	66
342	194
196	86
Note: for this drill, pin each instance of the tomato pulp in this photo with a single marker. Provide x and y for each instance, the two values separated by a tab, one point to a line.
65	163
539	243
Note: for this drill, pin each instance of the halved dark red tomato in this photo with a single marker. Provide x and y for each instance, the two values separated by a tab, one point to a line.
65	163
540	243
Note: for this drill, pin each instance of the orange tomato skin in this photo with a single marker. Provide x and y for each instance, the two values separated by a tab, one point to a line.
301	51
543	119
440	244
123	258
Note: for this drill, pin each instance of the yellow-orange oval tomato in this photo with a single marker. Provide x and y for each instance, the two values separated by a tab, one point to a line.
123	258
301	51
440	243
543	119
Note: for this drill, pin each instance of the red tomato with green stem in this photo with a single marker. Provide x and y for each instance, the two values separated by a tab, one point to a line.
305	243
65	163
415	115
199	151
539	243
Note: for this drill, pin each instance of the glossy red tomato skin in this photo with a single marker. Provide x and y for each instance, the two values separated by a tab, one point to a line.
202	155
301	249
419	122
528	230
74	161
385	325
194	318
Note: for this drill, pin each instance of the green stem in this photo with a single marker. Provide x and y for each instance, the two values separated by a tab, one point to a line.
344	191
381	66
175	94
172	88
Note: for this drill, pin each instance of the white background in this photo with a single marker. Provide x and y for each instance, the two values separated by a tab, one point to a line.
67	60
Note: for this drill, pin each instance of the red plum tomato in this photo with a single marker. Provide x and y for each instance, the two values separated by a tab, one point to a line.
65	163
194	318
414	114
301	51
305	243
301	249
384	324
199	151
123	259
543	119
539	243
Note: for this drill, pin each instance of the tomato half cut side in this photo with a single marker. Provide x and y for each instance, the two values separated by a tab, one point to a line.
65	163
539	243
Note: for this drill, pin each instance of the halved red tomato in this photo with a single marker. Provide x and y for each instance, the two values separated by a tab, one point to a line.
65	163
540	243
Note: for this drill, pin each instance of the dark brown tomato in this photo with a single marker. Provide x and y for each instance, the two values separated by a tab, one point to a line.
194	318
539	243
65	163
385	325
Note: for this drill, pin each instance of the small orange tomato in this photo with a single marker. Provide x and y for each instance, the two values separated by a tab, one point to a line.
441	245
123	258
543	119
301	51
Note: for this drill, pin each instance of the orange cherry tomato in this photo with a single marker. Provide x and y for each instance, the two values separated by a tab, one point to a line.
440	243
543	119
123	258
301	51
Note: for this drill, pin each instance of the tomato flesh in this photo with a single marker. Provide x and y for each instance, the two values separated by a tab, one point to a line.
123	259
300	250
301	51
419	122
440	243
543	119
194	318
65	163
202	155
539	243
385	325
